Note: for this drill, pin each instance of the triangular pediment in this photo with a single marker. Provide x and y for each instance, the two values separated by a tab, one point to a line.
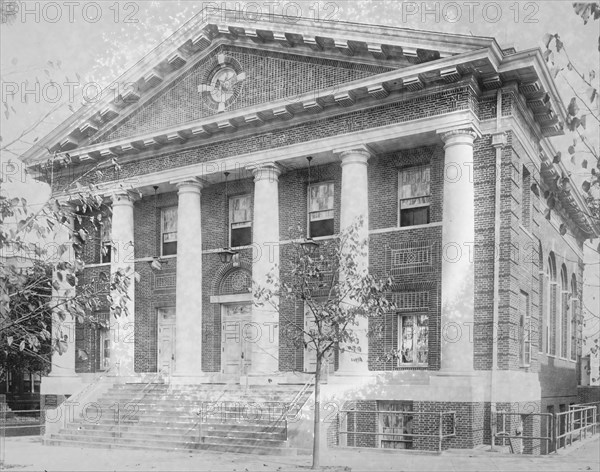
303	55
281	70
264	76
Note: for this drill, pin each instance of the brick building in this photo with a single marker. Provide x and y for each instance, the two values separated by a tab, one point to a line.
440	141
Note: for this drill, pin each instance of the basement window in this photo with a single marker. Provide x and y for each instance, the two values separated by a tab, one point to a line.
395	424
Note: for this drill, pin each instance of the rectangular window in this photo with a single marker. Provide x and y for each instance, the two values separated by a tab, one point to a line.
103	341
104	347
105	241
525	198
168	231
320	209
413	339
524	330
240	221
414	195
395	424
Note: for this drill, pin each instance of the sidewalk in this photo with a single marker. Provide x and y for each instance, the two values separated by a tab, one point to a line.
26	454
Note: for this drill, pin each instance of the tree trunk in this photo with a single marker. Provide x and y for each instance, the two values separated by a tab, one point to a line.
317	424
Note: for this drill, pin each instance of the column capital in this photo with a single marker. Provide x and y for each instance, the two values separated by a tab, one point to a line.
459	136
266	171
123	197
358	154
189	185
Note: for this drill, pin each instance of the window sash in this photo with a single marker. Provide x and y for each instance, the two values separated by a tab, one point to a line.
525	330
321	199
169	224
413	339
240	210
414	187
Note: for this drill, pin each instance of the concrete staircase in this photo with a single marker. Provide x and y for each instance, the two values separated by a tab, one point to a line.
216	417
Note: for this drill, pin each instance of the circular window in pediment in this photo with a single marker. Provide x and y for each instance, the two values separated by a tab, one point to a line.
222	84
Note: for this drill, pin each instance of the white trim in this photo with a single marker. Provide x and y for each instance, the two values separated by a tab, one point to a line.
404	228
233	298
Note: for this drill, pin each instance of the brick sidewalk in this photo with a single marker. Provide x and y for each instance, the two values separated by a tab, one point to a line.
25	454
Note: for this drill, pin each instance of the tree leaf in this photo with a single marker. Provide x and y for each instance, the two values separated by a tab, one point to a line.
546	39
591	93
9	340
573	108
559	43
586	186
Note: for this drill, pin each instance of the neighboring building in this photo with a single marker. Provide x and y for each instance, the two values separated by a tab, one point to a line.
432	137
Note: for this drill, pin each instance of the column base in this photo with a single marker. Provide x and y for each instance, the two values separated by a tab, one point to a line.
262	379
182	378
61	385
351	377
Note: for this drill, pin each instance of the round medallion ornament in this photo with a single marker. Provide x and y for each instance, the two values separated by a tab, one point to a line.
223	83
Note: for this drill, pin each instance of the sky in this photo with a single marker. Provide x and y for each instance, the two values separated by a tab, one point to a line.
92	42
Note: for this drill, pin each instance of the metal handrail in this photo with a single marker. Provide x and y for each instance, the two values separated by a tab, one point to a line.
138	397
198	423
295	401
89	386
569	424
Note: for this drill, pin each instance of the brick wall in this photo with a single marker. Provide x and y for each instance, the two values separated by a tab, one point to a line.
588	394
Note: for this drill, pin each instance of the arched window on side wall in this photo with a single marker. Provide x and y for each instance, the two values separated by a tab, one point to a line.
542	322
564	312
575	327
551	304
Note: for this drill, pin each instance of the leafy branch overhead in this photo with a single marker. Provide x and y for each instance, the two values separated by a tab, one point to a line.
582	107
43	291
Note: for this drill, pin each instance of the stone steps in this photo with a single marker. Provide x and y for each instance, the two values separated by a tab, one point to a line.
224	418
216	430
111	443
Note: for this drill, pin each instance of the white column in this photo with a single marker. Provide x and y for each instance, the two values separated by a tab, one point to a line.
265	242
188	311
458	241
122	342
63	365
355	204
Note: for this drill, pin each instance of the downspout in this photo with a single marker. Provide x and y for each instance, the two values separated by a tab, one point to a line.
498	141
